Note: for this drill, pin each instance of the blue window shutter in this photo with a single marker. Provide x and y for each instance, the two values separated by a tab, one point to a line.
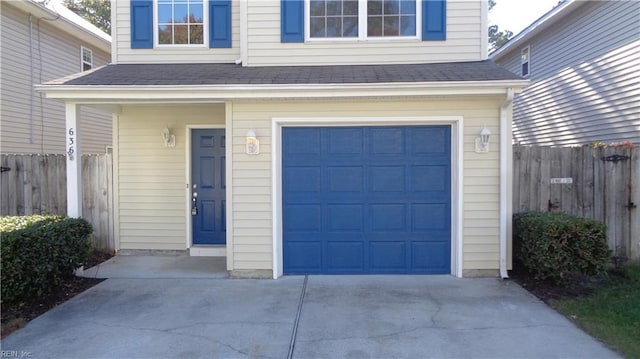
292	20
434	20
141	24
220	23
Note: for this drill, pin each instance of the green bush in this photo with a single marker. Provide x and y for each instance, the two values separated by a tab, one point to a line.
39	252
552	245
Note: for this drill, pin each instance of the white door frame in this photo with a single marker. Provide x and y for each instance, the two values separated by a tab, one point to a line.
457	150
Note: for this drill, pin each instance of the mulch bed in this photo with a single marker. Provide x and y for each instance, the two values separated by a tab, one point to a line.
16	317
574	286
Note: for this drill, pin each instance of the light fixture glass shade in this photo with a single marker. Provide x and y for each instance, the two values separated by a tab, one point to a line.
484	136
252	143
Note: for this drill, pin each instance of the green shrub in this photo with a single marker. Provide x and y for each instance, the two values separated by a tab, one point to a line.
552	245
39	252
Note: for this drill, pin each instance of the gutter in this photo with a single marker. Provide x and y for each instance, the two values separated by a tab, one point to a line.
207	93
505	146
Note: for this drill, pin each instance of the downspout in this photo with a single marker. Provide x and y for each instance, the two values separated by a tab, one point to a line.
505	146
244	28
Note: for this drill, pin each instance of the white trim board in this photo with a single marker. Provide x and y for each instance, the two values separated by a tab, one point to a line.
457	188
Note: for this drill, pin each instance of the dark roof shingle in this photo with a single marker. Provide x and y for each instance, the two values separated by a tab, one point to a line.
231	74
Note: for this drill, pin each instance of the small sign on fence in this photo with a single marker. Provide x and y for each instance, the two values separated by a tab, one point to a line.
567	180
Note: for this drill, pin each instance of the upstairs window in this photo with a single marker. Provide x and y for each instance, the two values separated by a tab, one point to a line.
333	18
195	23
391	18
180	22
524	62
363	19
86	59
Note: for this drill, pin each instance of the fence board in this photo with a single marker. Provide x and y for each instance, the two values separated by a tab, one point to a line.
600	189
37	184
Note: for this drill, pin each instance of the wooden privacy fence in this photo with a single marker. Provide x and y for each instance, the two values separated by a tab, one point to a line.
37	184
598	183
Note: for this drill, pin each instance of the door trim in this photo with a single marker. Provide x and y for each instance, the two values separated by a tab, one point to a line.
457	143
220	251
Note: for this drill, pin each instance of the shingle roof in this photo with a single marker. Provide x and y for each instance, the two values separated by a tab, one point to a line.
231	74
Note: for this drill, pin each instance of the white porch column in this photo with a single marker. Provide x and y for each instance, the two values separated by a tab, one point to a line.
74	161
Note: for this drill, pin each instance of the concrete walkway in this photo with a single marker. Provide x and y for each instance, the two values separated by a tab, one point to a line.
339	317
159	267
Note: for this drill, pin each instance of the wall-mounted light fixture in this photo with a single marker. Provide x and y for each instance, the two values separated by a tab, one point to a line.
168	138
253	145
482	141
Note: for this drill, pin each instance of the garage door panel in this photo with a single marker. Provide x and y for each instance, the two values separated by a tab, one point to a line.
341	141
345	256
345	178
302	141
383	204
430	216
430	141
345	217
305	257
302	217
388	256
387	141
302	179
388	217
430	179
432	257
387	178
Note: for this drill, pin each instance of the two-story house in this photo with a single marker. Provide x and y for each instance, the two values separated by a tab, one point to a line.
42	41
306	136
583	60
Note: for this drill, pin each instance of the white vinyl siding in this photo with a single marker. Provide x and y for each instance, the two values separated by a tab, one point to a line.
584	72
464	39
151	183
169	54
30	122
464	42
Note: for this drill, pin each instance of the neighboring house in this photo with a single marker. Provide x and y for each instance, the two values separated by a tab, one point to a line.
583	60
41	41
307	136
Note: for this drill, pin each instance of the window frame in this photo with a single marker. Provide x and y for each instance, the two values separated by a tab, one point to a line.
205	30
362	30
526	49
83	62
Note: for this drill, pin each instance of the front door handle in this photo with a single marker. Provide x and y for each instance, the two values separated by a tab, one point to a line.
194	205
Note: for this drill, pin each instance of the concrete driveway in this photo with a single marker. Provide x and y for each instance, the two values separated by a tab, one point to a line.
336	317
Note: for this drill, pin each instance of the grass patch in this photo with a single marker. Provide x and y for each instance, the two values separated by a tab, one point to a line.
612	312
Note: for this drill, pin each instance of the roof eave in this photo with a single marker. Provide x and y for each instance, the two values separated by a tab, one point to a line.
212	93
97	38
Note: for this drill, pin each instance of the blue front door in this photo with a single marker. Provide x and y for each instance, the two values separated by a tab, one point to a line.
208	186
366	199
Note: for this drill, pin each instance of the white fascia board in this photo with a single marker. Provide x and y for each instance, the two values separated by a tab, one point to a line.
214	93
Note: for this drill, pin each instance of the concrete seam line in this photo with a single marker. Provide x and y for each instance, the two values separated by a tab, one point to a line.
292	344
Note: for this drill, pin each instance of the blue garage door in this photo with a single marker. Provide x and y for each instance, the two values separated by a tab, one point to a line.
367	200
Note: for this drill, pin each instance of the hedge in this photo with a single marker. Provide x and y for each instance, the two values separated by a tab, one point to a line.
553	244
39	252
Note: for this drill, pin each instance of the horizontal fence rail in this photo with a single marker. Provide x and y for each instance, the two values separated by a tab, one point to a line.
37	184
599	183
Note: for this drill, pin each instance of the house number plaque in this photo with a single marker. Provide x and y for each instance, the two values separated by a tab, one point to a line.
71	148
